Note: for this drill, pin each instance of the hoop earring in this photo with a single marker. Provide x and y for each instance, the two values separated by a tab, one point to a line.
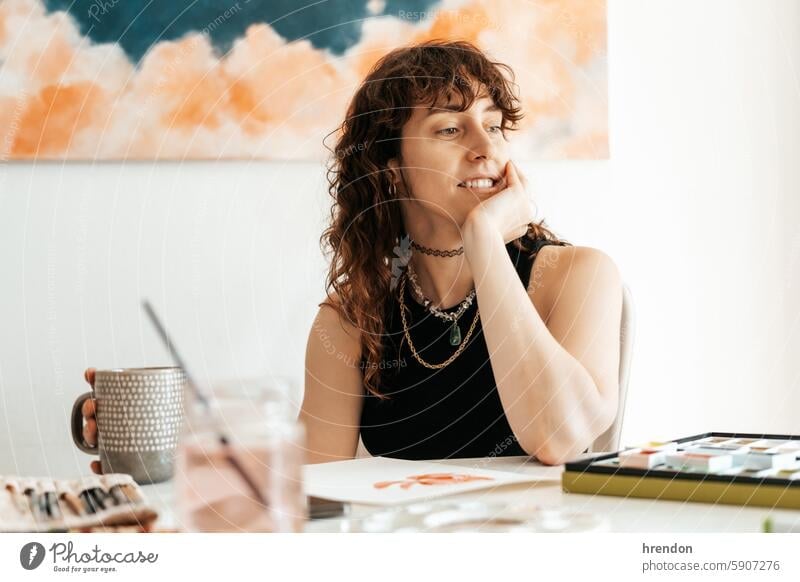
392	190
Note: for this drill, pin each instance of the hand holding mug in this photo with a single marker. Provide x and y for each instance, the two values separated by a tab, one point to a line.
131	418
90	427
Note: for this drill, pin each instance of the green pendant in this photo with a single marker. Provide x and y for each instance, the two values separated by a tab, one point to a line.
455	334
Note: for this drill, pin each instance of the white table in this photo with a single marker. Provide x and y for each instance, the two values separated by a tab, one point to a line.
624	514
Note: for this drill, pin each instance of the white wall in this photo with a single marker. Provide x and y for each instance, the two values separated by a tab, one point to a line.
699	205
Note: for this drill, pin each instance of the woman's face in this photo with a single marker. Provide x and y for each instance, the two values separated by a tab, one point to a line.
444	150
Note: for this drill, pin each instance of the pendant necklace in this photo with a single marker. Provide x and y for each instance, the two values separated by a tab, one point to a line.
455	330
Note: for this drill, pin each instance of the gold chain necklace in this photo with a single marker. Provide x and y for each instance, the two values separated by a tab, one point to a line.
411	343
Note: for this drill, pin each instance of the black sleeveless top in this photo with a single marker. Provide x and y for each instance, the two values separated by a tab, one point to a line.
452	412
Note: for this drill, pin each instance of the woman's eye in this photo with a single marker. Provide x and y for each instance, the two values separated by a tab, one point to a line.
454	130
448	131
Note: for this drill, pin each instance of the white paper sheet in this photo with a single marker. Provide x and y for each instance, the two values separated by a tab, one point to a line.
354	480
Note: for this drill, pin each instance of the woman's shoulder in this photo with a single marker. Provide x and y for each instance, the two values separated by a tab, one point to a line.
332	320
570	256
558	268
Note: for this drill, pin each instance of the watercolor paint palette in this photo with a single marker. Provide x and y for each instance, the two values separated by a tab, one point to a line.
714	467
110	502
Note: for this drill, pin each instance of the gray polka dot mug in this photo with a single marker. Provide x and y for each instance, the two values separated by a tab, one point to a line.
139	414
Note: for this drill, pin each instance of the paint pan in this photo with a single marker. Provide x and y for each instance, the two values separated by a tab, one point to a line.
699	461
768	460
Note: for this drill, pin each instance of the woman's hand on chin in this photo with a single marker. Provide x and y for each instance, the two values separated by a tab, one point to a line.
509	211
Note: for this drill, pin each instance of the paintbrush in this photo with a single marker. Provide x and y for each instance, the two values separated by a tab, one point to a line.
28	487
116	493
72	502
88	502
66	495
49	497
16	494
221	437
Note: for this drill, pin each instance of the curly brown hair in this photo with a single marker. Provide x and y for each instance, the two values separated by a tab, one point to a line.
366	222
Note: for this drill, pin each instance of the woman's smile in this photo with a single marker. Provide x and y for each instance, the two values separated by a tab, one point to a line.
483	186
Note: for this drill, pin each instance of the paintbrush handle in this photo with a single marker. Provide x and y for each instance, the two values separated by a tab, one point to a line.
73	503
232	460
19	498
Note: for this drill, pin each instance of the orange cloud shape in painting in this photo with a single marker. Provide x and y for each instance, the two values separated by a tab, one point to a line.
62	97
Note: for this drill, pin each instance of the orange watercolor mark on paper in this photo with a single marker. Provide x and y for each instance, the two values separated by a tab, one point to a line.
431	479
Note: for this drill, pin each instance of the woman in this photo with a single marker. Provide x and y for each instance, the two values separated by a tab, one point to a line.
483	344
495	338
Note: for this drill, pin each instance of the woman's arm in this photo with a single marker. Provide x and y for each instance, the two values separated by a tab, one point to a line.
333	398
558	381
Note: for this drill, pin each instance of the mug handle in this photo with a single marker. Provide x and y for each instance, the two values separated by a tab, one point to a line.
77	425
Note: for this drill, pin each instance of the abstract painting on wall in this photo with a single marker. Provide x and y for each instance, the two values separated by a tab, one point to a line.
269	79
